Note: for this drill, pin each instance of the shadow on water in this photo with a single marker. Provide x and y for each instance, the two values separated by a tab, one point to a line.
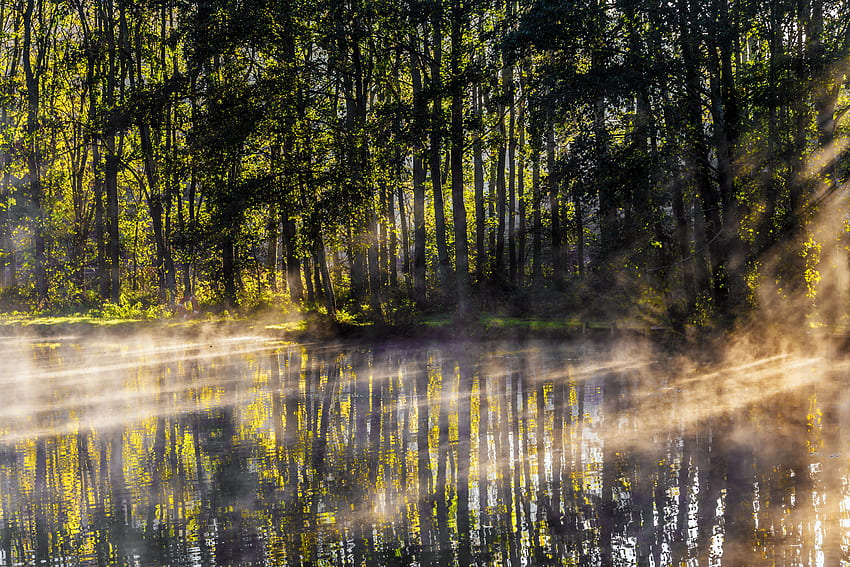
250	452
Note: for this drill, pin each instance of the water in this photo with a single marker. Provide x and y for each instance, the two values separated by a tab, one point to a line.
244	451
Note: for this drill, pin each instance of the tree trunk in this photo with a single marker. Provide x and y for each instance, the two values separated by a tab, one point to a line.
273	227
157	204
610	238
382	235
7	248
456	158
826	90
520	185
374	266
537	222
698	157
554	204
501	197
293	265
329	295
5	222
579	229
419	113
308	280
478	180
726	115
228	270
99	223
392	243
405	234
33	153
116	73
113	240
317	279
684	242
511	205
443	263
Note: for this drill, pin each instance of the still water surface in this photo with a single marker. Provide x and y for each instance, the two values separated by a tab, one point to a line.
244	451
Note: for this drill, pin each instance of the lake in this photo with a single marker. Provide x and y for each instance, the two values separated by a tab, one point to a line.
250	451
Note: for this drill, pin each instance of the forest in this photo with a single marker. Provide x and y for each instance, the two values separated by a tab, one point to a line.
677	161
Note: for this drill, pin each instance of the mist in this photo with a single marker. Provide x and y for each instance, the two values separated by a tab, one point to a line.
244	450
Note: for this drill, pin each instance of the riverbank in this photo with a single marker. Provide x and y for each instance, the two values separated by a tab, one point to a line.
597	335
316	327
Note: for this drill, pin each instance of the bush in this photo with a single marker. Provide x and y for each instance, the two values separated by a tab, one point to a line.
127	310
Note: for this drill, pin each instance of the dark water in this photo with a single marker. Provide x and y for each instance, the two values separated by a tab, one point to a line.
247	452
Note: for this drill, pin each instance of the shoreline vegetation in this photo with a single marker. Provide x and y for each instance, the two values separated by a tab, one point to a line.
590	336
311	324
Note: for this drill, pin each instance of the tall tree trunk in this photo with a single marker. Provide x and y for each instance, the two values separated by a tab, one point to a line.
392	243
537	222
150	137
521	198
99	223
698	157
680	217
827	87
554	204
228	269
354	86
308	280
726	115
405	233
578	223
356	263
317	279
478	180
610	238
419	115
501	190
456	158
382	234
116	72
32	77
113	242
293	264
511	220
273	227
684	242
374	266
6	244
7	249
767	232
330	294
443	263
491	213
157	205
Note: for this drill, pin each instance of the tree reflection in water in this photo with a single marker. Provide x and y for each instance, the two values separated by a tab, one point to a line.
249	452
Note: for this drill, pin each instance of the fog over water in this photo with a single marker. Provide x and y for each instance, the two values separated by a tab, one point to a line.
249	451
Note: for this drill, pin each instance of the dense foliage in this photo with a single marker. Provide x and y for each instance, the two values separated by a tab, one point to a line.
680	160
